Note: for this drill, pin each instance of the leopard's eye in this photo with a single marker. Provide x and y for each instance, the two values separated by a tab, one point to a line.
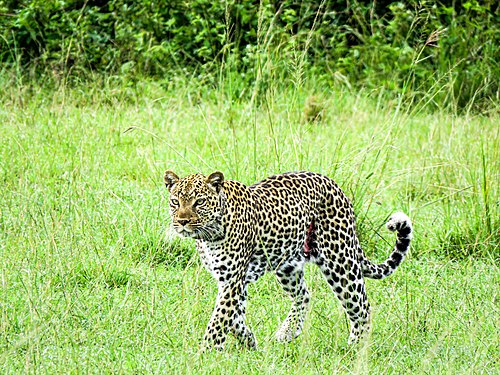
174	202
200	201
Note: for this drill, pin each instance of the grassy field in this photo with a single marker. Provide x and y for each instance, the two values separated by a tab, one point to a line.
91	282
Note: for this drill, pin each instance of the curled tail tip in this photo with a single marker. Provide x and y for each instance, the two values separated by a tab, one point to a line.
401	223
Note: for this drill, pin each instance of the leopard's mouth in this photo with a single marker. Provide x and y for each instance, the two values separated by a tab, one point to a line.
189	231
198	231
183	230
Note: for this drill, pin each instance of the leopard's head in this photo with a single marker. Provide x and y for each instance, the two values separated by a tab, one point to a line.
196	204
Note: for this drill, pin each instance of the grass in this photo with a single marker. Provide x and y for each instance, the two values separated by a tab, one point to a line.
90	282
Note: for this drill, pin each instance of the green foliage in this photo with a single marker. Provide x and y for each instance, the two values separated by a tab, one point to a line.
443	54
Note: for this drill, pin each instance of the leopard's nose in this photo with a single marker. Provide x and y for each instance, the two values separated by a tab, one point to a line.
183	221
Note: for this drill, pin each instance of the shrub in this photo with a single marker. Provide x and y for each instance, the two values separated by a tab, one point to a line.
444	54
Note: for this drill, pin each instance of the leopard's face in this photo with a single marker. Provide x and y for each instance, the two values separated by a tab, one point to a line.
196	205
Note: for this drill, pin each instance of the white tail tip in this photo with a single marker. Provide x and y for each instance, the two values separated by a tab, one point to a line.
400	222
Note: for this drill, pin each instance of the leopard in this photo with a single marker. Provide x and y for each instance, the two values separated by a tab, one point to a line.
278	225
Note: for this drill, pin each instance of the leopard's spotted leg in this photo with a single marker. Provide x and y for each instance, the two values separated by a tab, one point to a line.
229	311
239	328
339	263
228	315
349	287
291	277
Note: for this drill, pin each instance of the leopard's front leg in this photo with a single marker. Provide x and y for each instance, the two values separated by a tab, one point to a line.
229	314
239	328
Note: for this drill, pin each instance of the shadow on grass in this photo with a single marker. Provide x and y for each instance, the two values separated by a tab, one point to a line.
172	253
471	242
88	275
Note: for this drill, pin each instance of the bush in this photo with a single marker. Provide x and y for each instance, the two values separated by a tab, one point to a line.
439	53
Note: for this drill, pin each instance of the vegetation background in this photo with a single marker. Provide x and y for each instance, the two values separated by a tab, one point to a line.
444	51
397	101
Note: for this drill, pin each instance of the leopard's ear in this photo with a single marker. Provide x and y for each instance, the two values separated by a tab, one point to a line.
170	179
216	180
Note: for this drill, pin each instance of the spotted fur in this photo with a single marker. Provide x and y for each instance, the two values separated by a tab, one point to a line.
278	225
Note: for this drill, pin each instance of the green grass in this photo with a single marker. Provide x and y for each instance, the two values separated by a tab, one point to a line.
91	284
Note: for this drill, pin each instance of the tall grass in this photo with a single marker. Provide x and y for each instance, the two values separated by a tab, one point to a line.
92	284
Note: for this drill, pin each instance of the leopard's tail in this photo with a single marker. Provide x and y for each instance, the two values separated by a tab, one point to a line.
401	224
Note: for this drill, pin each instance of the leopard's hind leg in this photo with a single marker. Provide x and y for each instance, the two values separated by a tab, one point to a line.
291	276
336	257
